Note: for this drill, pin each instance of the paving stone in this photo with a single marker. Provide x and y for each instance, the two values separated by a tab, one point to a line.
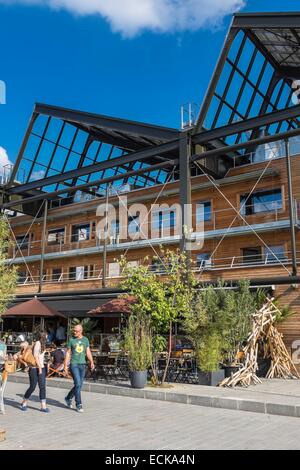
279	409
227	403
253	406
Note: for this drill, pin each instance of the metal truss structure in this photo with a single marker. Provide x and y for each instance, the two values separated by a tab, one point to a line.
249	103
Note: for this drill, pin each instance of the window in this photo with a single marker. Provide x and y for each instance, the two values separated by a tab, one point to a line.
134	224
56	236
114	270
114	231
252	255
22	276
274	253
23	241
77	273
56	274
263	201
203	212
163	219
204	260
80	232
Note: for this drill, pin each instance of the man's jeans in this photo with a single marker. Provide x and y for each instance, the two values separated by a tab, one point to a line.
78	374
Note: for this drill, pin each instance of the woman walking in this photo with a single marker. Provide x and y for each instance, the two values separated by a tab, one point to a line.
37	373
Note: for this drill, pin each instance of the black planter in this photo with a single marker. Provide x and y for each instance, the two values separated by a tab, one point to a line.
263	367
230	370
211	378
138	378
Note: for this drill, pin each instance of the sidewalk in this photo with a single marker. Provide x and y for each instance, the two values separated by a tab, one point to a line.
276	396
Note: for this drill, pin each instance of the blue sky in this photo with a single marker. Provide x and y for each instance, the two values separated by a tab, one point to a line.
78	61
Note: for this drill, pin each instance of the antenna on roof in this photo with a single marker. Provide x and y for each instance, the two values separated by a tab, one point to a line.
189	115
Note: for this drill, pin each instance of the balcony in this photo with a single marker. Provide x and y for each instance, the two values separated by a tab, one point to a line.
272	217
235	267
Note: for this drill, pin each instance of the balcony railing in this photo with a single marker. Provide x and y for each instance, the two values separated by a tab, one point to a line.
265	152
213	264
268	212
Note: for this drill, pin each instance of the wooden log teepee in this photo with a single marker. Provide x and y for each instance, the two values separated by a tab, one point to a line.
266	338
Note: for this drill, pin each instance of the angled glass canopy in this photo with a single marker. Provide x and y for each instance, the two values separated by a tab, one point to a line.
254	76
250	99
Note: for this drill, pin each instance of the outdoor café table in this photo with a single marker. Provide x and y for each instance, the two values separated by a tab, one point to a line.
111	366
182	369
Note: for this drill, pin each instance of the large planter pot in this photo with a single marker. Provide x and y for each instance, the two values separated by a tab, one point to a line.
263	367
138	378
230	370
211	378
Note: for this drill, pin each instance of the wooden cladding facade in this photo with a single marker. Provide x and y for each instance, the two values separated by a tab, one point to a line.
227	261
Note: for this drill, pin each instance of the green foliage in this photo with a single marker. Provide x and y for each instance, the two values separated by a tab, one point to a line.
284	313
89	326
209	352
224	315
138	343
159	343
163	302
8	274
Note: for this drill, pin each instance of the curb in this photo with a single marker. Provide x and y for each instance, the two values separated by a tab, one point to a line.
238	404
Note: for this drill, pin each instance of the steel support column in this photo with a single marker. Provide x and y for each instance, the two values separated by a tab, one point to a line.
291	207
185	191
105	239
43	246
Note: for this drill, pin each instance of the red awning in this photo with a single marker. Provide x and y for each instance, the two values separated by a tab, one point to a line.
32	308
119	305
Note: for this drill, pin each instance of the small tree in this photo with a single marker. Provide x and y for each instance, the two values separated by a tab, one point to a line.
138	343
8	273
164	302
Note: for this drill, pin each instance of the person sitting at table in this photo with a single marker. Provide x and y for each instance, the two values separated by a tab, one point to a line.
105	346
57	357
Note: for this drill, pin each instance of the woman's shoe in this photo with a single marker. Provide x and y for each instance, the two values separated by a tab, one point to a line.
23	407
45	410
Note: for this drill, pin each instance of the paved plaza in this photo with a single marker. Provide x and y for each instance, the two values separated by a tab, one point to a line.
113	422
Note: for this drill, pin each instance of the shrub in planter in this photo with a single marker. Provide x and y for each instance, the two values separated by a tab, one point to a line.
138	345
209	354
219	322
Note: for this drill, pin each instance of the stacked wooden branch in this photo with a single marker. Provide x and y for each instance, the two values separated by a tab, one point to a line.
266	341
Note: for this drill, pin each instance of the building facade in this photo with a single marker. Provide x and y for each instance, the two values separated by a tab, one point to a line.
225	188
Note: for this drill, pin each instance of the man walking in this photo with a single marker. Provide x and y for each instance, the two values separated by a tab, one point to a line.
77	352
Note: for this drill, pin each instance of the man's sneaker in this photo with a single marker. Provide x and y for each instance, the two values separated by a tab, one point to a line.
68	402
79	409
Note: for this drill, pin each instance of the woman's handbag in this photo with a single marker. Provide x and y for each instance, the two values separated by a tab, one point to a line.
28	357
10	367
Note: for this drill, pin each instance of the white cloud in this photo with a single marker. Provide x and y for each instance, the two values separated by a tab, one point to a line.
130	17
37	175
4	160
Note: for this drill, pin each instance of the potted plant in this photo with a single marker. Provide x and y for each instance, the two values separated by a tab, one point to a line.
138	346
218	324
240	304
208	356
203	325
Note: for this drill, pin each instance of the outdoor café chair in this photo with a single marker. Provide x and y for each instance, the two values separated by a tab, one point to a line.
60	371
